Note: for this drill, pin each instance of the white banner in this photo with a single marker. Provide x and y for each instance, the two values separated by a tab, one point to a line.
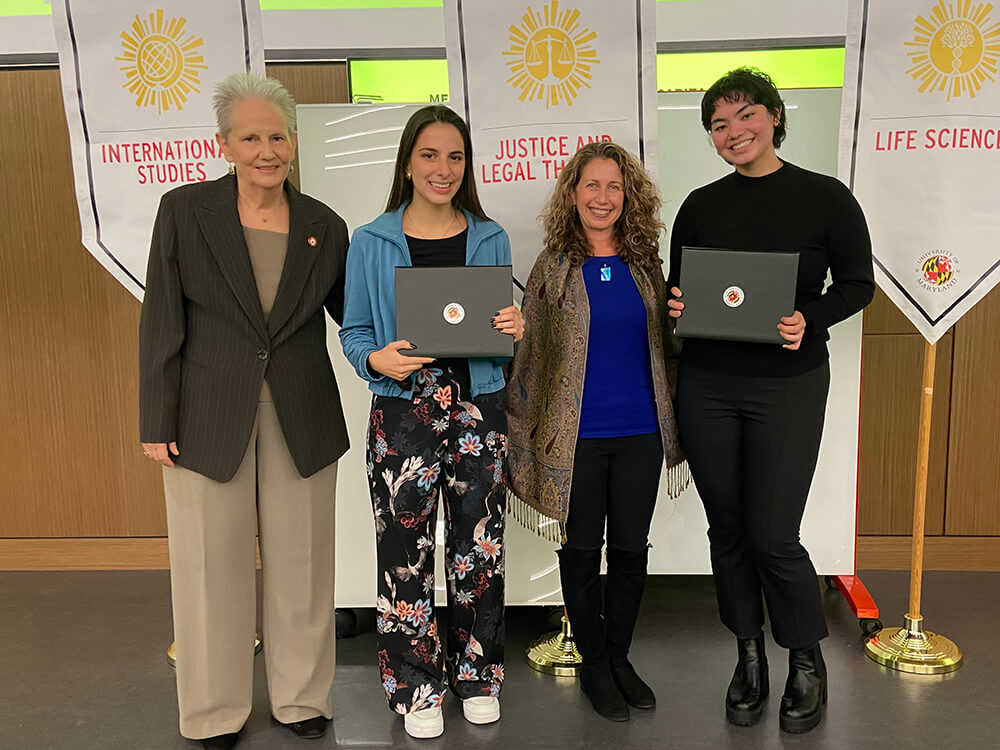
137	83
537	80
920	148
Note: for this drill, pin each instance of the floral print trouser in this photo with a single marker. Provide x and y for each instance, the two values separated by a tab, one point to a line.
439	444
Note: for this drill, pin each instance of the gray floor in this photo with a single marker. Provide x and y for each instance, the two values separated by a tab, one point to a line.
82	666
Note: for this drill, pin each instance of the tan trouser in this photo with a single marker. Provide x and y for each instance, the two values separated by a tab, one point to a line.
211	529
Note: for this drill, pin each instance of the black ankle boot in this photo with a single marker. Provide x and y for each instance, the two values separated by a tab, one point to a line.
622	597
749	687
805	690
580	574
221	741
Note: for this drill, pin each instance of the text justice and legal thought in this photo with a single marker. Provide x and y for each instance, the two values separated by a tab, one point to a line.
534	157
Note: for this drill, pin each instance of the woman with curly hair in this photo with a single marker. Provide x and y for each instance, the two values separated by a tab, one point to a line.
590	419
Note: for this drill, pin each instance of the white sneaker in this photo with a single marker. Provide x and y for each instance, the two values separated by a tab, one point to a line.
482	709
424	724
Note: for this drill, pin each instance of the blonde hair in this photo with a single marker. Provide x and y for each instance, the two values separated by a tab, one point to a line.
637	231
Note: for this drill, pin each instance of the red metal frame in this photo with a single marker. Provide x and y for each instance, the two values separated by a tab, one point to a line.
851	587
857	596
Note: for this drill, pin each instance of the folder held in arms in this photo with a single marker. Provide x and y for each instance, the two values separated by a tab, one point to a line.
448	311
738	295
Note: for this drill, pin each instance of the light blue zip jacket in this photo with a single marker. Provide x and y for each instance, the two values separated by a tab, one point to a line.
376	250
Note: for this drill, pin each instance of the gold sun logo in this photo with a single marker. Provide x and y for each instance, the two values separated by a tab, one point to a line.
162	63
956	49
550	56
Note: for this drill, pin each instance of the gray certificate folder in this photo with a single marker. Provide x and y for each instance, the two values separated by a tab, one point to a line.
737	295
447	312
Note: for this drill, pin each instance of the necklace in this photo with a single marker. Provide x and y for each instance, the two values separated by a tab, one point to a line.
262	217
605	269
433	234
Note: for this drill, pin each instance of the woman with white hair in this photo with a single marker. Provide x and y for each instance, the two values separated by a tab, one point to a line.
239	403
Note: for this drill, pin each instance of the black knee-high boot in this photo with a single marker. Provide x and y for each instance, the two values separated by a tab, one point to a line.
622	597
749	687
580	574
805	690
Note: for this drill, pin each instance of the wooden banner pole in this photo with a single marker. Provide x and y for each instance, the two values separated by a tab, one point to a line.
920	489
911	648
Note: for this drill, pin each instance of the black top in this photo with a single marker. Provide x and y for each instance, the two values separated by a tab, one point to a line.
447	251
441	253
790	209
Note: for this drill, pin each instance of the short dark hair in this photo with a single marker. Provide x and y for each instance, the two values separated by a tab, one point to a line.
466	197
749	85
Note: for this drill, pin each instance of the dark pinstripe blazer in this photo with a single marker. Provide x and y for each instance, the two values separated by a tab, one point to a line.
204	347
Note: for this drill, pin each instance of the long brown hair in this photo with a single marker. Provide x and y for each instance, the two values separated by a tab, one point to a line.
637	231
466	197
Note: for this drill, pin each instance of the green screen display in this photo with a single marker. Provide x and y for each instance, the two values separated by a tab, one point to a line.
363	5
790	68
42	8
416	81
399	81
24	8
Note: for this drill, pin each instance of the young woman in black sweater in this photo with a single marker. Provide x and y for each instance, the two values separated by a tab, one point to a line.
750	415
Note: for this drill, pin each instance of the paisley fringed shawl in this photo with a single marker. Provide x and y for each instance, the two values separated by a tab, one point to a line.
545	390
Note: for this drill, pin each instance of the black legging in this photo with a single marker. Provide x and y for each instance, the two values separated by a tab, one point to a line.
752	444
614	479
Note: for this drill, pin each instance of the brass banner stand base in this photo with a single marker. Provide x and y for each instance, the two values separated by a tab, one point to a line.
912	649
172	650
555	653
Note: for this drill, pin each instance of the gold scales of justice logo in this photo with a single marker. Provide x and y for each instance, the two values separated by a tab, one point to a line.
955	49
550	57
162	61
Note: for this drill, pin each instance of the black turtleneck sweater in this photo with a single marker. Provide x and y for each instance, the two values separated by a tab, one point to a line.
789	209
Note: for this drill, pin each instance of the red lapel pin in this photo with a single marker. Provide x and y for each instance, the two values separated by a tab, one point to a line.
311	241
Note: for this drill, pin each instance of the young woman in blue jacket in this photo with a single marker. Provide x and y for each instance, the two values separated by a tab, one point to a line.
437	430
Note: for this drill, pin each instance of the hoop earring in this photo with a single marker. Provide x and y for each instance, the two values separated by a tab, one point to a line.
232	168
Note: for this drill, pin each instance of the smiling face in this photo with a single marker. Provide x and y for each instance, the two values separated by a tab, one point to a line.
599	196
743	135
437	164
259	144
